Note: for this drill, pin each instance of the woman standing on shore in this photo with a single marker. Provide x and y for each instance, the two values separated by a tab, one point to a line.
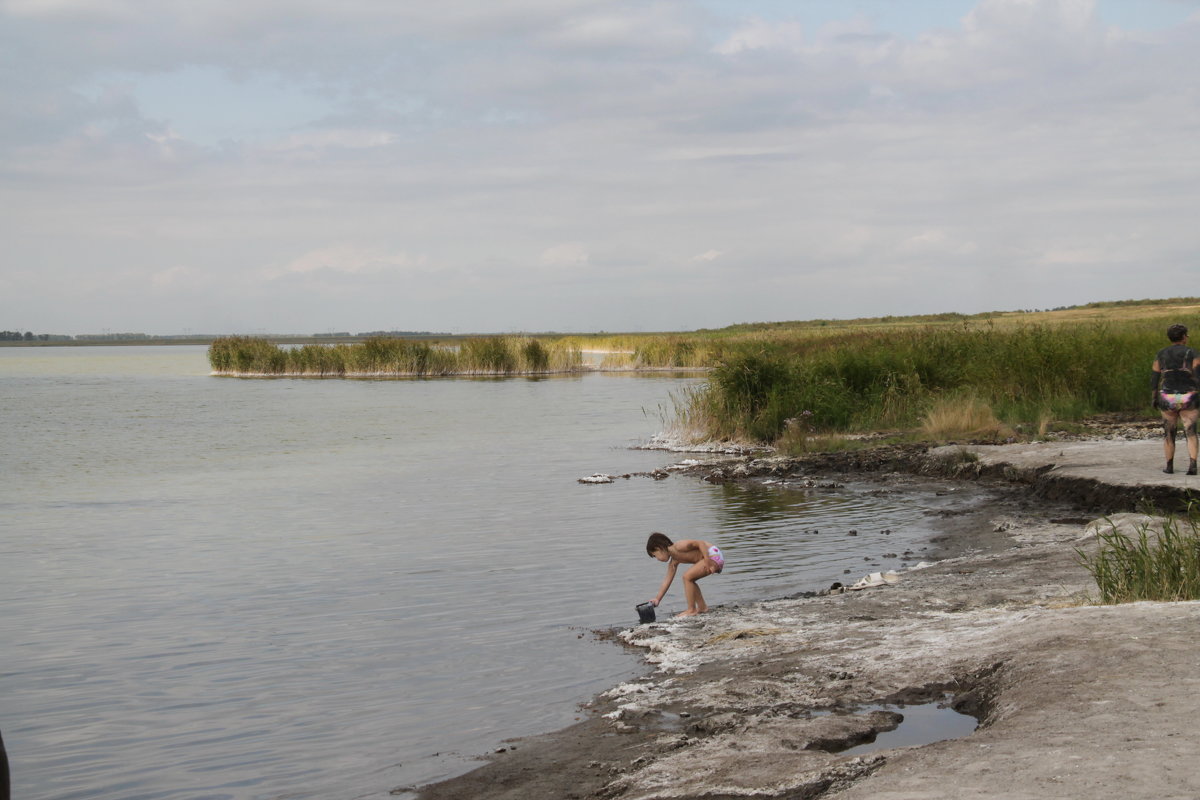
1177	394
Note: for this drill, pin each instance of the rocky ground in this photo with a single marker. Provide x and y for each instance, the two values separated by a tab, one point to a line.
1072	699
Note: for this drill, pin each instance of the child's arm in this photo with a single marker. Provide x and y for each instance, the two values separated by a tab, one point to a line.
671	567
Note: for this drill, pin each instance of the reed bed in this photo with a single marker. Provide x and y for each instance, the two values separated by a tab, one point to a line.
1163	566
650	351
668	352
385	357
899	379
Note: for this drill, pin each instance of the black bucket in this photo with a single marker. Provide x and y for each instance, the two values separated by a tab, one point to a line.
645	612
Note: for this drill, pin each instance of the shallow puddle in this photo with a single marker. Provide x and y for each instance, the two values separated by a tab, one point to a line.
923	724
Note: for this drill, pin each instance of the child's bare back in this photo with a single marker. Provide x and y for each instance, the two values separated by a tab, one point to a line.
688	551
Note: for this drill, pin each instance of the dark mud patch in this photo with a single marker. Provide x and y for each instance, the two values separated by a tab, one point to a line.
1040	482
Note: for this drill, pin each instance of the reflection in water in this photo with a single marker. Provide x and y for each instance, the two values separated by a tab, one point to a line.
786	540
923	724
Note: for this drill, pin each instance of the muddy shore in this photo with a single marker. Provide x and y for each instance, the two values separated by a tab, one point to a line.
762	700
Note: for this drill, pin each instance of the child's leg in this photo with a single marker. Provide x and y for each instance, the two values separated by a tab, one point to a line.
691	590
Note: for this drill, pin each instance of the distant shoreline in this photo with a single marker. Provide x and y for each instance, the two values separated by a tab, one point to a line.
208	340
585	369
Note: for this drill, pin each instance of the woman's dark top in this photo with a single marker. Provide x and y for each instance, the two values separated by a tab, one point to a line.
1175	363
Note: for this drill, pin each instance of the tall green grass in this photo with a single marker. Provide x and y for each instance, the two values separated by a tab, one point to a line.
1146	566
878	380
385	357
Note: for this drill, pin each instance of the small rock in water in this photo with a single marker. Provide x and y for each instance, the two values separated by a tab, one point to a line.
852	533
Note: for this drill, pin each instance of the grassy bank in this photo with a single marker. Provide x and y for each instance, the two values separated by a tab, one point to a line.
967	377
387	357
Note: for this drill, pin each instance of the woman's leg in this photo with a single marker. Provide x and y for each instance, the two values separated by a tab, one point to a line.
1189	418
1170	423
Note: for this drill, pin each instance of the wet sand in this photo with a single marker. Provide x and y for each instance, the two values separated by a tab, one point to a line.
1073	699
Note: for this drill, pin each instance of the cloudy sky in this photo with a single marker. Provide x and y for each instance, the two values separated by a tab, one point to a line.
502	165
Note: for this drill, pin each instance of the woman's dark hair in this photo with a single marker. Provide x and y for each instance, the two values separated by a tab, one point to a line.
657	541
1175	333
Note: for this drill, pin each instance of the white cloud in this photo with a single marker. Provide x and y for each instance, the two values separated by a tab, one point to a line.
171	277
934	242
347	259
112	9
702	152
349	139
709	255
622	27
1023	17
757	34
571	254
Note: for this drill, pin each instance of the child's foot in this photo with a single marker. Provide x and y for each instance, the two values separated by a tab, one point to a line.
1192	467
688	613
1170	468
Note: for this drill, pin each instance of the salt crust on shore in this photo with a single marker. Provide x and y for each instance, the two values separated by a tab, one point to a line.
911	636
681	443
924	640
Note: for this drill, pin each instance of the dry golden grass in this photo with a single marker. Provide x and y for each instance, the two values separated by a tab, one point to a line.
958	416
745	633
1125	311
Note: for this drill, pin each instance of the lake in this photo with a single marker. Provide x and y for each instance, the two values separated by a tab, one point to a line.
290	588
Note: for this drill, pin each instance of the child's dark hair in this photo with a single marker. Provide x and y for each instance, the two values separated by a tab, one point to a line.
657	541
1175	333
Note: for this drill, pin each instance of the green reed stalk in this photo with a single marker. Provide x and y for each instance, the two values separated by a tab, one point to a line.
1165	567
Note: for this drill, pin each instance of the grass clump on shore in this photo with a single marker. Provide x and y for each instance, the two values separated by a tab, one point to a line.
387	357
963	415
1162	566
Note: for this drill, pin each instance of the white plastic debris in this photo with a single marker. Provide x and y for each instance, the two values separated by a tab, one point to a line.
875	579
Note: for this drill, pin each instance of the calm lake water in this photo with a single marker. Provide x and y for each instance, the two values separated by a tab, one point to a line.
222	588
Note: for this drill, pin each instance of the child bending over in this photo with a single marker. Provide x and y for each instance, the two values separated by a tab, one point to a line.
704	557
